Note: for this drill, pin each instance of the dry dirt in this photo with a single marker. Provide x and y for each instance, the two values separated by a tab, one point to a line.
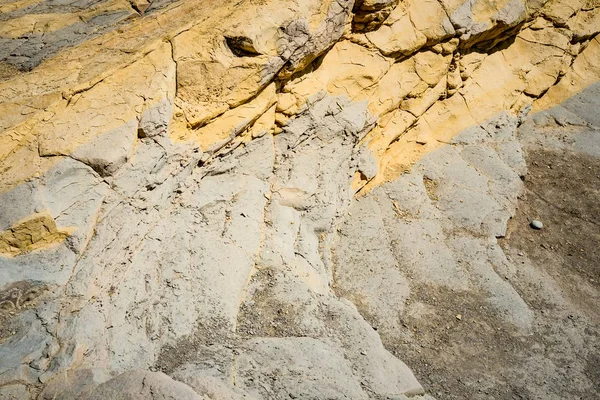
464	351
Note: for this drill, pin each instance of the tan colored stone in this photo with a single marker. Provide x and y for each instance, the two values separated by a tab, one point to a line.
454	79
348	69
398	35
584	72
264	124
585	24
450	46
551	37
390	128
541	55
431	67
540	23
493	83
395	85
36	24
106	106
418	105
199	113
450	116
410	26
32	233
419	90
370	14
19	157
423	133
411	141
287	103
561	11
430	19
140	5
469	63
58	93
17	5
493	87
541	77
226	79
234	121
281	119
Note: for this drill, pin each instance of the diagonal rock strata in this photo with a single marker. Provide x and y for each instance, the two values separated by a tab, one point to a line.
252	189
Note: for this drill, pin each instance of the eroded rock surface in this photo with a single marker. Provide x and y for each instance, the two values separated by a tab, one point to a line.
246	200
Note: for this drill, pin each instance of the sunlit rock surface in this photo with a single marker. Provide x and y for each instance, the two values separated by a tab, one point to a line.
209	199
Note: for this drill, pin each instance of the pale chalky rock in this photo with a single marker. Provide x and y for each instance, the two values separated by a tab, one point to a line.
238	200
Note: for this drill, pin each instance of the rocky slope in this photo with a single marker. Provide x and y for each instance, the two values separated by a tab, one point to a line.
270	199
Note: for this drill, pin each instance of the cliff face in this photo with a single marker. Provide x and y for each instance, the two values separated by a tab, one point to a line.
226	192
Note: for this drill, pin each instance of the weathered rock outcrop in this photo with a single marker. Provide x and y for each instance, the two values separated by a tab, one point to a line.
226	192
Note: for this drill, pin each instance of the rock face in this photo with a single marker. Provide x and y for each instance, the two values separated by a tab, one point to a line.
235	200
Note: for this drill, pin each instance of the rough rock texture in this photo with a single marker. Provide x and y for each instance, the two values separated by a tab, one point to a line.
244	200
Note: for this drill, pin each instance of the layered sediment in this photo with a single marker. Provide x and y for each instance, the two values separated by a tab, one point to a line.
214	200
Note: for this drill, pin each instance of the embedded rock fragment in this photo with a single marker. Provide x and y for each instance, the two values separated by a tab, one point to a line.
35	232
369	14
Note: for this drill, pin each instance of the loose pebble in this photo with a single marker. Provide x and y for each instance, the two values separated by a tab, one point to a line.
535	224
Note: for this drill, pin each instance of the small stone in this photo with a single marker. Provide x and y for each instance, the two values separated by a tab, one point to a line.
459	317
45	377
537	225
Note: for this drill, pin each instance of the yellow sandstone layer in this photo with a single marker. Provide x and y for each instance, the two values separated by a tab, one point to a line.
428	70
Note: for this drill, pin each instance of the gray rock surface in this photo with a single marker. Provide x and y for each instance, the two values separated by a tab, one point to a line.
254	269
142	385
267	208
436	226
270	229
